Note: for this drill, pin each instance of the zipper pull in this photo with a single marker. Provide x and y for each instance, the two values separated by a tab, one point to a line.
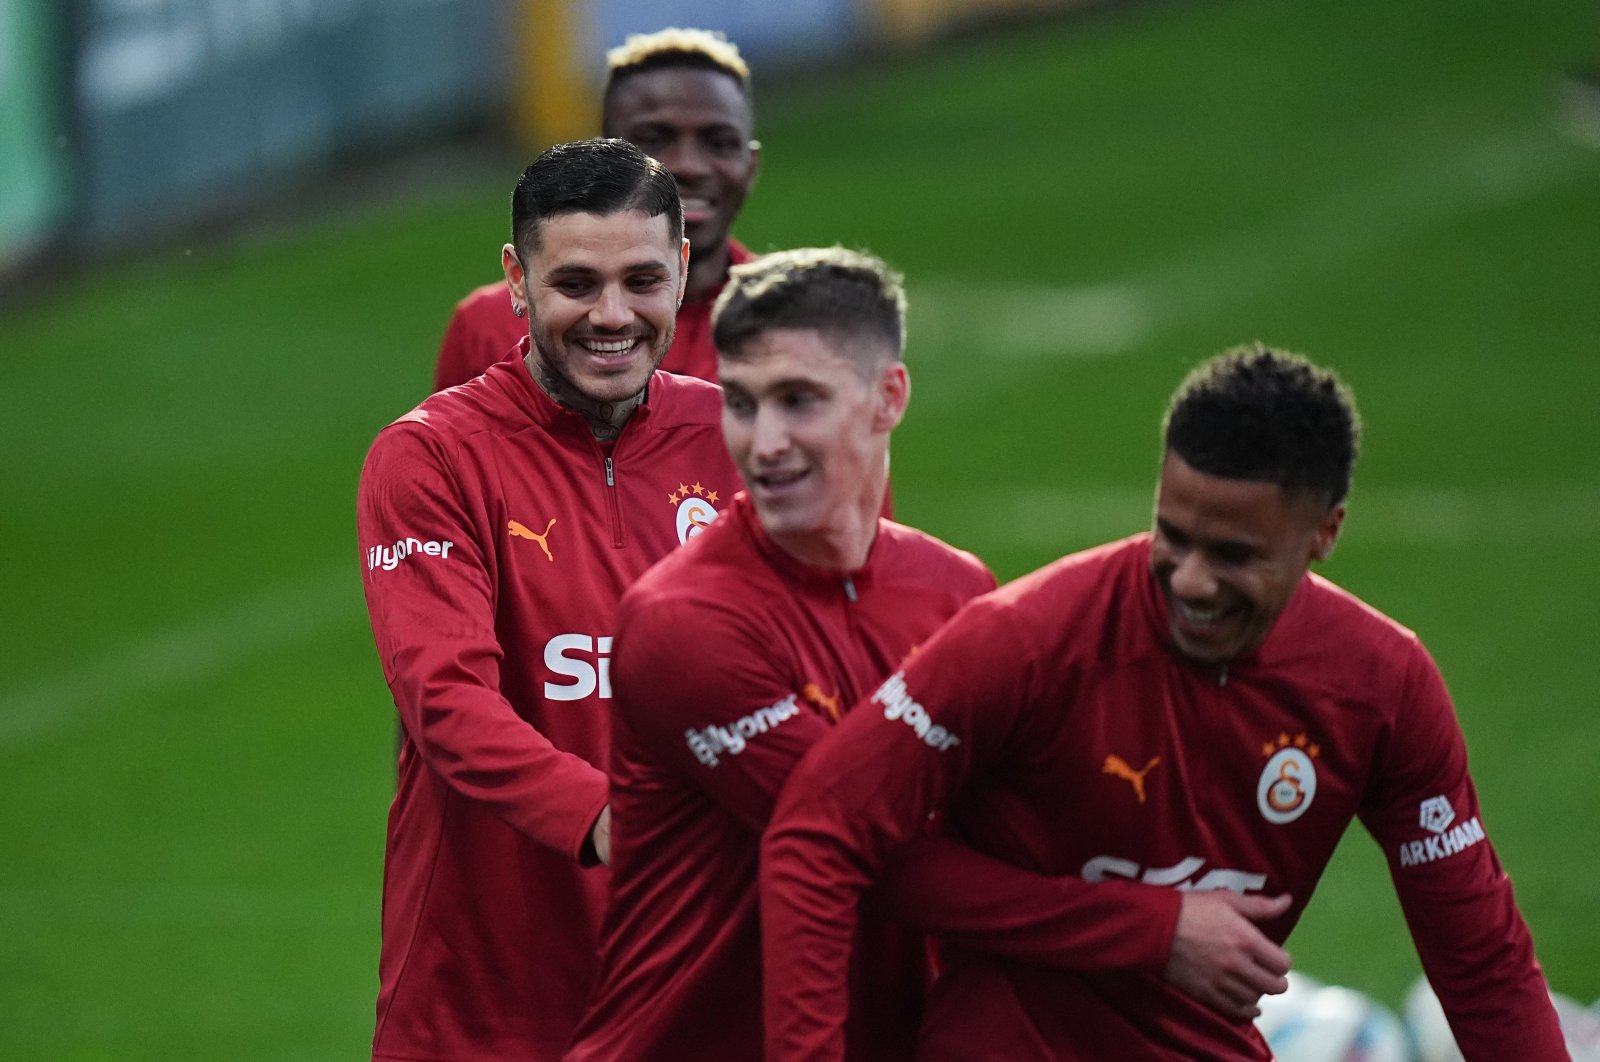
611	480
850	589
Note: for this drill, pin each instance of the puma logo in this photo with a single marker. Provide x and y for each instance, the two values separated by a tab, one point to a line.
829	704
522	532
1118	766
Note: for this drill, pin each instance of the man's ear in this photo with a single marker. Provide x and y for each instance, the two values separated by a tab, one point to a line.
683	270
894	394
1327	533
516	278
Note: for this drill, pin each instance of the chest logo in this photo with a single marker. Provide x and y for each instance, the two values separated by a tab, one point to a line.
696	508
1289	780
520	531
827	704
1116	765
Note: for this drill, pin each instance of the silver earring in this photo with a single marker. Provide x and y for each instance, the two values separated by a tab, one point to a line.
518	310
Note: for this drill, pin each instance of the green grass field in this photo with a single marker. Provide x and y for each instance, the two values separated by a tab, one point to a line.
196	737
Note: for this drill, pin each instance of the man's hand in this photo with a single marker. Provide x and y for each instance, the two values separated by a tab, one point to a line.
600	837
1219	956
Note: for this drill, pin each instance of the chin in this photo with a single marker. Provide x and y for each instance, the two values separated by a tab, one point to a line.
1199	654
781	519
618	387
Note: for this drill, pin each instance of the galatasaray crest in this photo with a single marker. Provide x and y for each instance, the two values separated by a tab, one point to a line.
1289	780
696	509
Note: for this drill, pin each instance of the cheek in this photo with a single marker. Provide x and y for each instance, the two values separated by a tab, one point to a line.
852	443
735	176
1270	591
736	437
1161	562
662	308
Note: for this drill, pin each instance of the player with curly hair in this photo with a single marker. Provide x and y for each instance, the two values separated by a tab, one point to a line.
1189	707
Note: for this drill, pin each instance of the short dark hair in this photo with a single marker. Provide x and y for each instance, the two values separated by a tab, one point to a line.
601	176
675	47
1270	416
845	295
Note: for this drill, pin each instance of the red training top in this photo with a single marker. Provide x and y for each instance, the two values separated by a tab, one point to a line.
733	658
1064	735
497	536
483	330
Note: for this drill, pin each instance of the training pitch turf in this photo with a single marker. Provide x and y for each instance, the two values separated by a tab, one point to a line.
196	737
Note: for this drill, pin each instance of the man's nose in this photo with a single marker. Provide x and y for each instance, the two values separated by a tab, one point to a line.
611	309
1192	578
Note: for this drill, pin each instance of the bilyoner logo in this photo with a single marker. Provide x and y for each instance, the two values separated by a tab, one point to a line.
389	557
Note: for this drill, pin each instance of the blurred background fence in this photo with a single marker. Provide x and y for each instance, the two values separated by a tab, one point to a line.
124	118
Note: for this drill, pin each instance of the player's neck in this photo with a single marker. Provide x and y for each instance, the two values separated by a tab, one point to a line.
707	272
605	419
843	545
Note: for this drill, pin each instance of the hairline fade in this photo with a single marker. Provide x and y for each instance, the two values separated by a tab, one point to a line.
851	298
1270	416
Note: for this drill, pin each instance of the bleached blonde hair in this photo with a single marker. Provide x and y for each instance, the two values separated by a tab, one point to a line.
676	46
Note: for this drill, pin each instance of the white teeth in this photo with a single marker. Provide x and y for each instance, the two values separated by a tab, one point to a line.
616	347
1199	616
694	203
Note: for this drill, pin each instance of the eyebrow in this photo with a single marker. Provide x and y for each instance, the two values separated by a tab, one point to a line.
773	387
570	270
1171	530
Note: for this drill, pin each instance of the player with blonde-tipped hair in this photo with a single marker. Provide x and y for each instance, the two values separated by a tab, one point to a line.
683	96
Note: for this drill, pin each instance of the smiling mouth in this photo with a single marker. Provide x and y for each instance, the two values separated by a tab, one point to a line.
610	348
1195	616
778	482
697	208
1200	623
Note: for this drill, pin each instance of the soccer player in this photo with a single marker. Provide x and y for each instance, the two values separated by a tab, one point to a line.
1188	707
683	96
738	652
499	523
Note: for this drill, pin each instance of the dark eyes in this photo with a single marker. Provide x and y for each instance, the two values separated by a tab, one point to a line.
645	140
1232	554
653	141
789	401
576	287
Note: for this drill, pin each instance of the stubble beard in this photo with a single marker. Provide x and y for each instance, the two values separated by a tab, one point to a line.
605	419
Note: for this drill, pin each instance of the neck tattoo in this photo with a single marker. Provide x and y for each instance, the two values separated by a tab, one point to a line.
605	419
